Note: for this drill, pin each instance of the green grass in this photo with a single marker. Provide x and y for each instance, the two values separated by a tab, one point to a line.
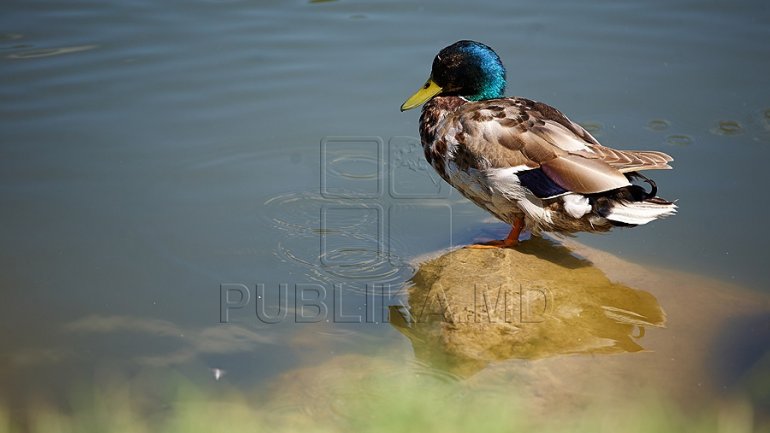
375	406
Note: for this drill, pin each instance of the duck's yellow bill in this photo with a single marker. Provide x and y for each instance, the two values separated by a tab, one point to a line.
429	90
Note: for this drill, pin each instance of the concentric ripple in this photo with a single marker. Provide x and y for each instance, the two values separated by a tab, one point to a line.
354	166
334	240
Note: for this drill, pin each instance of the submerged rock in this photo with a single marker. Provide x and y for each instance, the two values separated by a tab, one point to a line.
469	307
595	339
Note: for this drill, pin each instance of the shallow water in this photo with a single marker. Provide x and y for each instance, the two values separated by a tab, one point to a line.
153	151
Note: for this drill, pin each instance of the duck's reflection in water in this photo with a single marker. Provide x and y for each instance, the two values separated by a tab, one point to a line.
469	307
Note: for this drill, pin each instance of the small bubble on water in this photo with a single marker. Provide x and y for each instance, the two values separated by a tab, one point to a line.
658	125
728	127
679	140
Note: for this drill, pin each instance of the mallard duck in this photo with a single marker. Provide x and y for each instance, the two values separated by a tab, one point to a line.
524	161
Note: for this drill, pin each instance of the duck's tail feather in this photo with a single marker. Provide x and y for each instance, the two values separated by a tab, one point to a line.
635	213
633	205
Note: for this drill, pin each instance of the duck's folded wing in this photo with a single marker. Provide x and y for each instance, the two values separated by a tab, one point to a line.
567	135
630	160
511	132
583	175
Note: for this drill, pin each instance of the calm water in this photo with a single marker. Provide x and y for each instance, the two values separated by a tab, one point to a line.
152	151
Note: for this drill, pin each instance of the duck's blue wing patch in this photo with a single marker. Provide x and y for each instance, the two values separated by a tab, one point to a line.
539	183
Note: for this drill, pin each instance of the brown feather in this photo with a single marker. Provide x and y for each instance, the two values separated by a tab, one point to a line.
585	176
465	141
509	132
630	160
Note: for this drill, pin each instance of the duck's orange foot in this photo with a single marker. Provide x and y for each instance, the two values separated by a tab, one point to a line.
505	243
509	242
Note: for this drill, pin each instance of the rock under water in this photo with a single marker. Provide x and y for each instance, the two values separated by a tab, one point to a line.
469	307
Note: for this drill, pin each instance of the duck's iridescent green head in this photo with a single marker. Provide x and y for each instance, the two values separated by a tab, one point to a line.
465	68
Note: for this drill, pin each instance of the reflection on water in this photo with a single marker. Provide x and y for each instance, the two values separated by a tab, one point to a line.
533	302
164	343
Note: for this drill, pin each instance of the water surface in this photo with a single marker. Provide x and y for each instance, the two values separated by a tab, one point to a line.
152	151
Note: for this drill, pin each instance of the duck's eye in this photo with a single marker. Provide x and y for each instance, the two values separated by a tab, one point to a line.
426	85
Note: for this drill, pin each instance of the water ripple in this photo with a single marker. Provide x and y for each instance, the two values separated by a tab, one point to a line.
679	140
4	37
658	125
354	167
342	247
48	52
727	127
359	264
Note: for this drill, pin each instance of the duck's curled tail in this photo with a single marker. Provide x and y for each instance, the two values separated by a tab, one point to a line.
632	205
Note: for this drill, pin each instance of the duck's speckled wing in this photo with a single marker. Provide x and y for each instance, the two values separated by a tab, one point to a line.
517	132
